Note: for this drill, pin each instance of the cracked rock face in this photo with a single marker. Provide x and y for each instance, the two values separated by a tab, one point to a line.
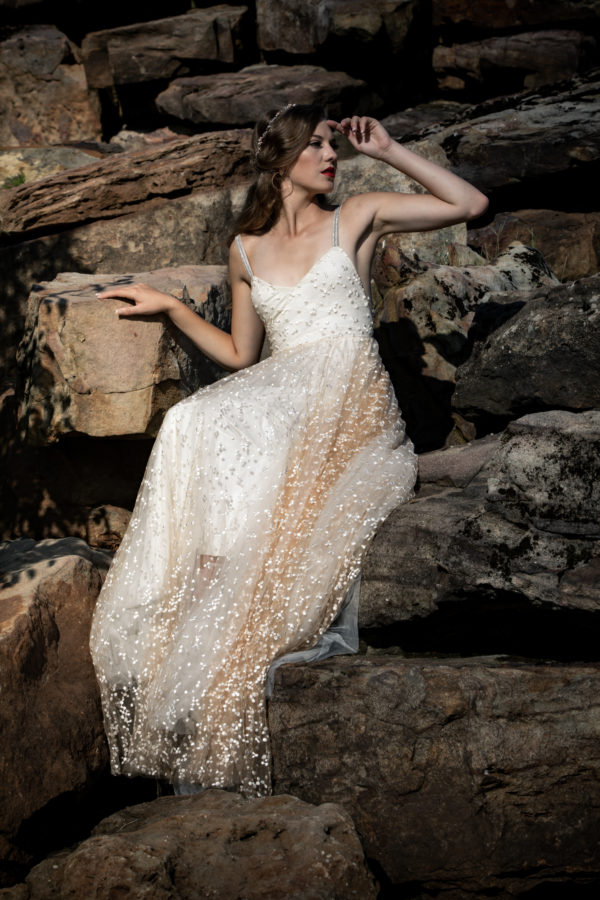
213	844
462	776
71	335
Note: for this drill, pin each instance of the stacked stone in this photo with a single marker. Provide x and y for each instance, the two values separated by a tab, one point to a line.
463	741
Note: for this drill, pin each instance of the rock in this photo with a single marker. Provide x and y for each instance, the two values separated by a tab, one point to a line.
27	164
240	98
425	313
123	182
138	140
545	356
523	530
43	90
106	526
68	387
569	241
538	137
215	844
300	27
500	14
410	122
162	49
51	734
512	62
473	777
456	466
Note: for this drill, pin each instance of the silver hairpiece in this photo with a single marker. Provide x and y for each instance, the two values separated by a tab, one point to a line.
279	113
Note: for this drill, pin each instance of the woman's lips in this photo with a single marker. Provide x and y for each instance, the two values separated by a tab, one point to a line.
330	172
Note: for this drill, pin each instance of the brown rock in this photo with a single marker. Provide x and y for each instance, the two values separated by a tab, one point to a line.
298	26
106	526
240	98
464	777
27	164
164	48
43	90
497	14
213	845
51	734
521	61
125	181
70	335
569	242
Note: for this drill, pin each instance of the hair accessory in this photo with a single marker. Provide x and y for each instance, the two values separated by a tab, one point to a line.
279	113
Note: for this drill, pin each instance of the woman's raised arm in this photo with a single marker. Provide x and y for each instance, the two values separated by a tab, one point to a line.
450	199
237	350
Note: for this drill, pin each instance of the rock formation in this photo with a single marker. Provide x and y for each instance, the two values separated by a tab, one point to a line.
463	740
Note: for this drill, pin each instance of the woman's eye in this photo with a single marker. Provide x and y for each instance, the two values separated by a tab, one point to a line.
315	144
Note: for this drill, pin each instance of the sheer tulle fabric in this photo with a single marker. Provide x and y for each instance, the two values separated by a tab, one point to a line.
259	499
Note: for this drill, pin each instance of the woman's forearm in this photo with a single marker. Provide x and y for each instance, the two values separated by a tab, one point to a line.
218	345
440	182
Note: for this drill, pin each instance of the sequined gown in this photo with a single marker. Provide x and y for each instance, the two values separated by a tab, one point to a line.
259	499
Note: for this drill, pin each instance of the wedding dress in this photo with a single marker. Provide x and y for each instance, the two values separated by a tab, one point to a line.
260	496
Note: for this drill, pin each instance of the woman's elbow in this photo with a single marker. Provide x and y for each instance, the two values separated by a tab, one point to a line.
477	207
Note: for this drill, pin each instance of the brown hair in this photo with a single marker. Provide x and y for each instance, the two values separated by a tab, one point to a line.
281	143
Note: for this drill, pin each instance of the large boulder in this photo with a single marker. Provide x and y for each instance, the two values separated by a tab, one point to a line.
51	734
162	49
545	355
27	164
538	137
212	845
569	241
510	523
298	26
44	95
125	182
240	98
464	777
425	312
68	387
512	62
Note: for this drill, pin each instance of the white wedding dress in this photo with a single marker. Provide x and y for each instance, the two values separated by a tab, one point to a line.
260	497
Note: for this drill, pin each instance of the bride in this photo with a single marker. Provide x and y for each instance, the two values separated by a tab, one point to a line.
263	490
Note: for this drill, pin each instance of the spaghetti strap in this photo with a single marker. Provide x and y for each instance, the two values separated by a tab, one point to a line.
245	260
335	234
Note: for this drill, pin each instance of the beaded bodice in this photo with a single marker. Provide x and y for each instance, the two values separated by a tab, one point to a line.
328	302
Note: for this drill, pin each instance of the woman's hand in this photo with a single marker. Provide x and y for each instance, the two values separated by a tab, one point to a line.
147	300
366	135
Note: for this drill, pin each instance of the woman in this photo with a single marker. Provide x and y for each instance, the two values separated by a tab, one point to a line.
263	490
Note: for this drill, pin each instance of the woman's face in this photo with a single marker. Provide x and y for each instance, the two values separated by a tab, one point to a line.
315	168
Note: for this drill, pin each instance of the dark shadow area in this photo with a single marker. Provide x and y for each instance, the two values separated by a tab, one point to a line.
490	622
68	819
425	402
575	886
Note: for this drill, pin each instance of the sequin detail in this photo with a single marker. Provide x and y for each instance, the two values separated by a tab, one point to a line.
260	497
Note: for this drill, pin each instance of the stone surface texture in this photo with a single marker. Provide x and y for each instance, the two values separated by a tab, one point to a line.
569	241
70	334
520	519
240	98
162	49
303	26
546	355
469	777
51	734
538	137
43	90
123	182
534	57
213	845
31	163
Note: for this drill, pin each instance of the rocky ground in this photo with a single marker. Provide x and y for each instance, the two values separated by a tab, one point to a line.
457	756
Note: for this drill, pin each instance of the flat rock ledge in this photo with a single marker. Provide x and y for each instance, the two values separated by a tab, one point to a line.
464	777
214	844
